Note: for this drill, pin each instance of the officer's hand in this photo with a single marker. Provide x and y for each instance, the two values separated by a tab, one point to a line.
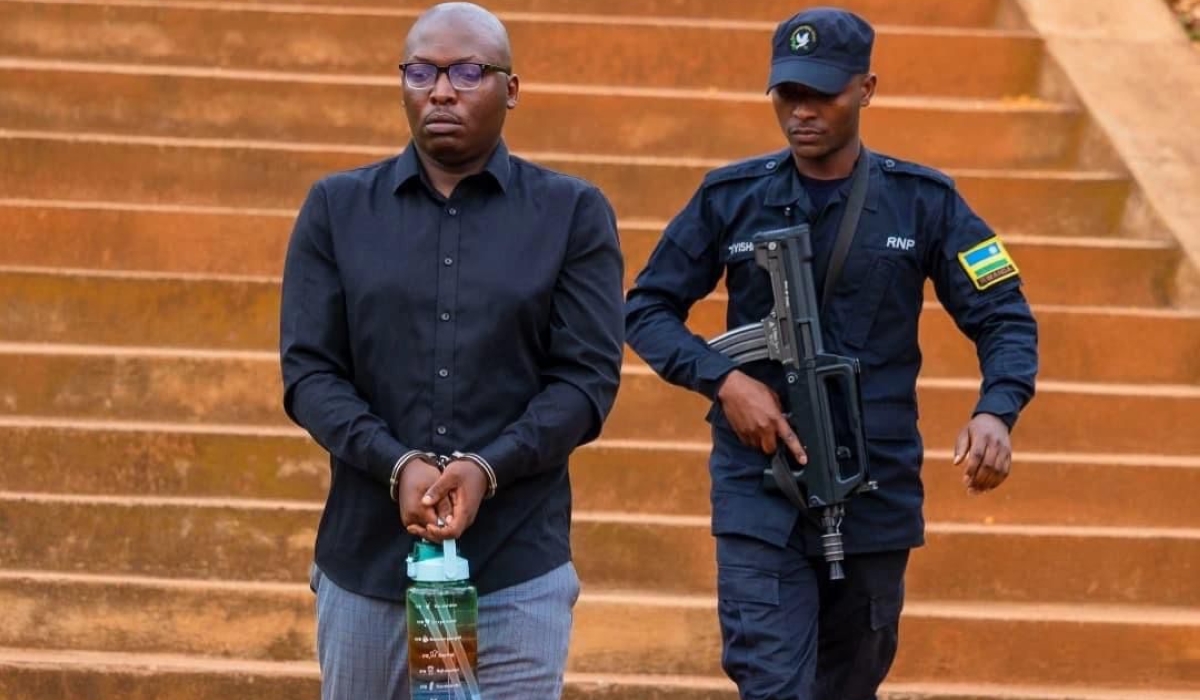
415	480
463	485
984	445
754	412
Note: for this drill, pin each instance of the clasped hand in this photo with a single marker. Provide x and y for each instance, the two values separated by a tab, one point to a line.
440	504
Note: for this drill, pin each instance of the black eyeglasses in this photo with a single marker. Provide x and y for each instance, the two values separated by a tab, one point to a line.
463	76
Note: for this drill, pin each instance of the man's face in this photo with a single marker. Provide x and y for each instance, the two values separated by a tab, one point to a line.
816	124
450	125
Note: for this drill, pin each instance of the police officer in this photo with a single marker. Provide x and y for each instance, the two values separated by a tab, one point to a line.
788	631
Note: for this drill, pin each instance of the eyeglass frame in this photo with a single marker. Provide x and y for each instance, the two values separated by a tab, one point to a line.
485	68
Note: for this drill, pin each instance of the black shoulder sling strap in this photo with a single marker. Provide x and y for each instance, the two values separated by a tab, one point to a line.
849	223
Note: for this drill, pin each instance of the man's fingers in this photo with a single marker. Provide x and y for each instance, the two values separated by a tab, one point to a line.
767	442
438	490
784	429
987	465
962	444
973	457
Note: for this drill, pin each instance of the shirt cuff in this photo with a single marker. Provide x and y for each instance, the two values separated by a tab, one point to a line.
504	455
1001	405
712	372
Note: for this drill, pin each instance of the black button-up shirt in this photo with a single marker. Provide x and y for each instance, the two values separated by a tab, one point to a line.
489	322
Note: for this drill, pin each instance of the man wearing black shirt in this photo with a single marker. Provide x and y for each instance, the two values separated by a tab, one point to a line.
452	301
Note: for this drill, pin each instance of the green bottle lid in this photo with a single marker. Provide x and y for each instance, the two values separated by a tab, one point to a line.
429	562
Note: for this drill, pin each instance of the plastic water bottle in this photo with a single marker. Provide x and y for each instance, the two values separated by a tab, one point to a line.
443	614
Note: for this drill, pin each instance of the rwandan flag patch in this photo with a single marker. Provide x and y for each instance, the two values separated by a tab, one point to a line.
988	263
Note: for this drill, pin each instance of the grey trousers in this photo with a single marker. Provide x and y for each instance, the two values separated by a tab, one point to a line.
524	632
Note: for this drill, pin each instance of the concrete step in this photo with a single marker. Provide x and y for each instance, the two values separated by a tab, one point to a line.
939	13
977	642
1056	269
243	388
272	541
178	460
147	238
190	311
244	241
1116	271
27	674
1066	416
207	172
185	310
548	48
177	102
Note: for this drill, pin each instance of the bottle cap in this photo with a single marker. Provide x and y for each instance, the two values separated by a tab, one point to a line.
429	562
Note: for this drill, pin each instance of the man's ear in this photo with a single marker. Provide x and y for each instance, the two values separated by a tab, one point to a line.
514	91
868	89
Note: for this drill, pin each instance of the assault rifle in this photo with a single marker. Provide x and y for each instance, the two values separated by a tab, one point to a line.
831	430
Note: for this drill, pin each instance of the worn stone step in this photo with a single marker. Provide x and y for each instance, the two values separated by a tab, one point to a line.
937	13
146	238
1117	271
971	642
272	541
244	241
647	477
186	310
207	172
643	52
1055	269
177	102
27	674
1065	416
244	388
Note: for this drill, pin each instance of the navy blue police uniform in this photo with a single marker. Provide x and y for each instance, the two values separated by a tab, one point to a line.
788	631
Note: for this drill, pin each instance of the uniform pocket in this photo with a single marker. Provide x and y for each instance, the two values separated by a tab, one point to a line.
860	309
741	585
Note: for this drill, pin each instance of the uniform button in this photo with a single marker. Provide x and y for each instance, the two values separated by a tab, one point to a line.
441	430
770	165
452	211
445	316
889	163
443	372
448	262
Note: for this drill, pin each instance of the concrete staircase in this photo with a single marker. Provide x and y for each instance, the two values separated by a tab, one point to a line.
157	511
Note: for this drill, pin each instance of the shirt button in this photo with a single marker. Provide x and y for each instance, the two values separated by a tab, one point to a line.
452	211
445	316
448	262
889	163
443	372
770	165
441	430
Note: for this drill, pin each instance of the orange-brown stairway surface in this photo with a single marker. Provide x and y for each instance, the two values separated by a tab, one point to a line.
157	510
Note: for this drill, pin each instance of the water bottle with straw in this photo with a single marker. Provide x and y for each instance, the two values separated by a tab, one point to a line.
443	612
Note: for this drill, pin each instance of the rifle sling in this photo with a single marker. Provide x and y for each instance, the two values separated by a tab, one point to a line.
848	224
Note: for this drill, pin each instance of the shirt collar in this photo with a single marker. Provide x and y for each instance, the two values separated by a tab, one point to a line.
408	166
785	188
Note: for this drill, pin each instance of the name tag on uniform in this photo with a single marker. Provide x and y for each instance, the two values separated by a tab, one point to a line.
739	250
988	263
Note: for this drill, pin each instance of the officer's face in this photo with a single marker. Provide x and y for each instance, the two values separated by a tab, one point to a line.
455	126
816	124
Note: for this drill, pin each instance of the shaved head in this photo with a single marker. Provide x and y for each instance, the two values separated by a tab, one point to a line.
454	128
491	38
